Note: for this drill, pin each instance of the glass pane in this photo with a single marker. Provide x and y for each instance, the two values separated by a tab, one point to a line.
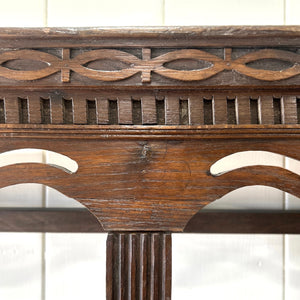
41	266
237	266
227	267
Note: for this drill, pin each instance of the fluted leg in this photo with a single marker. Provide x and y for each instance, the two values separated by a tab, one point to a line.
138	266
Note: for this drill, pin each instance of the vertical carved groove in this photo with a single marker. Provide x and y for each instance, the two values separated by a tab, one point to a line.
277	111
67	111
23	111
45	111
208	111
166	285
136	112
110	256
2	111
231	111
183	112
131	266
138	266
160	111
254	111
91	112
112	112
195	109
141	286
121	266
298	110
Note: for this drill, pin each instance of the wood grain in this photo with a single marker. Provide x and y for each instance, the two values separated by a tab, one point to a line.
196	113
79	110
11	106
125	111
245	222
92	57
130	65
207	36
48	220
149	170
191	107
102	110
149	110
172	110
80	220
145	112
34	110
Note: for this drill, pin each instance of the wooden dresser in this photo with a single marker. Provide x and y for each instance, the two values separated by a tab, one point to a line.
143	115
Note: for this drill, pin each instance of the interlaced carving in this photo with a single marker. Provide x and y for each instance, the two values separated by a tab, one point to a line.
146	65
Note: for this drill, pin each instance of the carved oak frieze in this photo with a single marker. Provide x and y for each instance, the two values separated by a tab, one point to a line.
144	117
186	65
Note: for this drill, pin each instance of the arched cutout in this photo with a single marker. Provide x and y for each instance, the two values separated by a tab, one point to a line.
283	217
32	155
35	195
35	207
253	198
252	158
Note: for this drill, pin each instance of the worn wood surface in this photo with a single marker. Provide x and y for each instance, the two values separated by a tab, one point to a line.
209	36
151	57
149	107
145	112
82	221
241	222
153	179
165	67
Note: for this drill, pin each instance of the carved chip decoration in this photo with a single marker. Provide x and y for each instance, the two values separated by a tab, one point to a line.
147	65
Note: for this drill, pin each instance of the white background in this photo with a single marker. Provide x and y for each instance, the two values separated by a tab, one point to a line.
35	266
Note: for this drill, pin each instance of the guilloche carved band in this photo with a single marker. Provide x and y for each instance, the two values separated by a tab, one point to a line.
212	65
